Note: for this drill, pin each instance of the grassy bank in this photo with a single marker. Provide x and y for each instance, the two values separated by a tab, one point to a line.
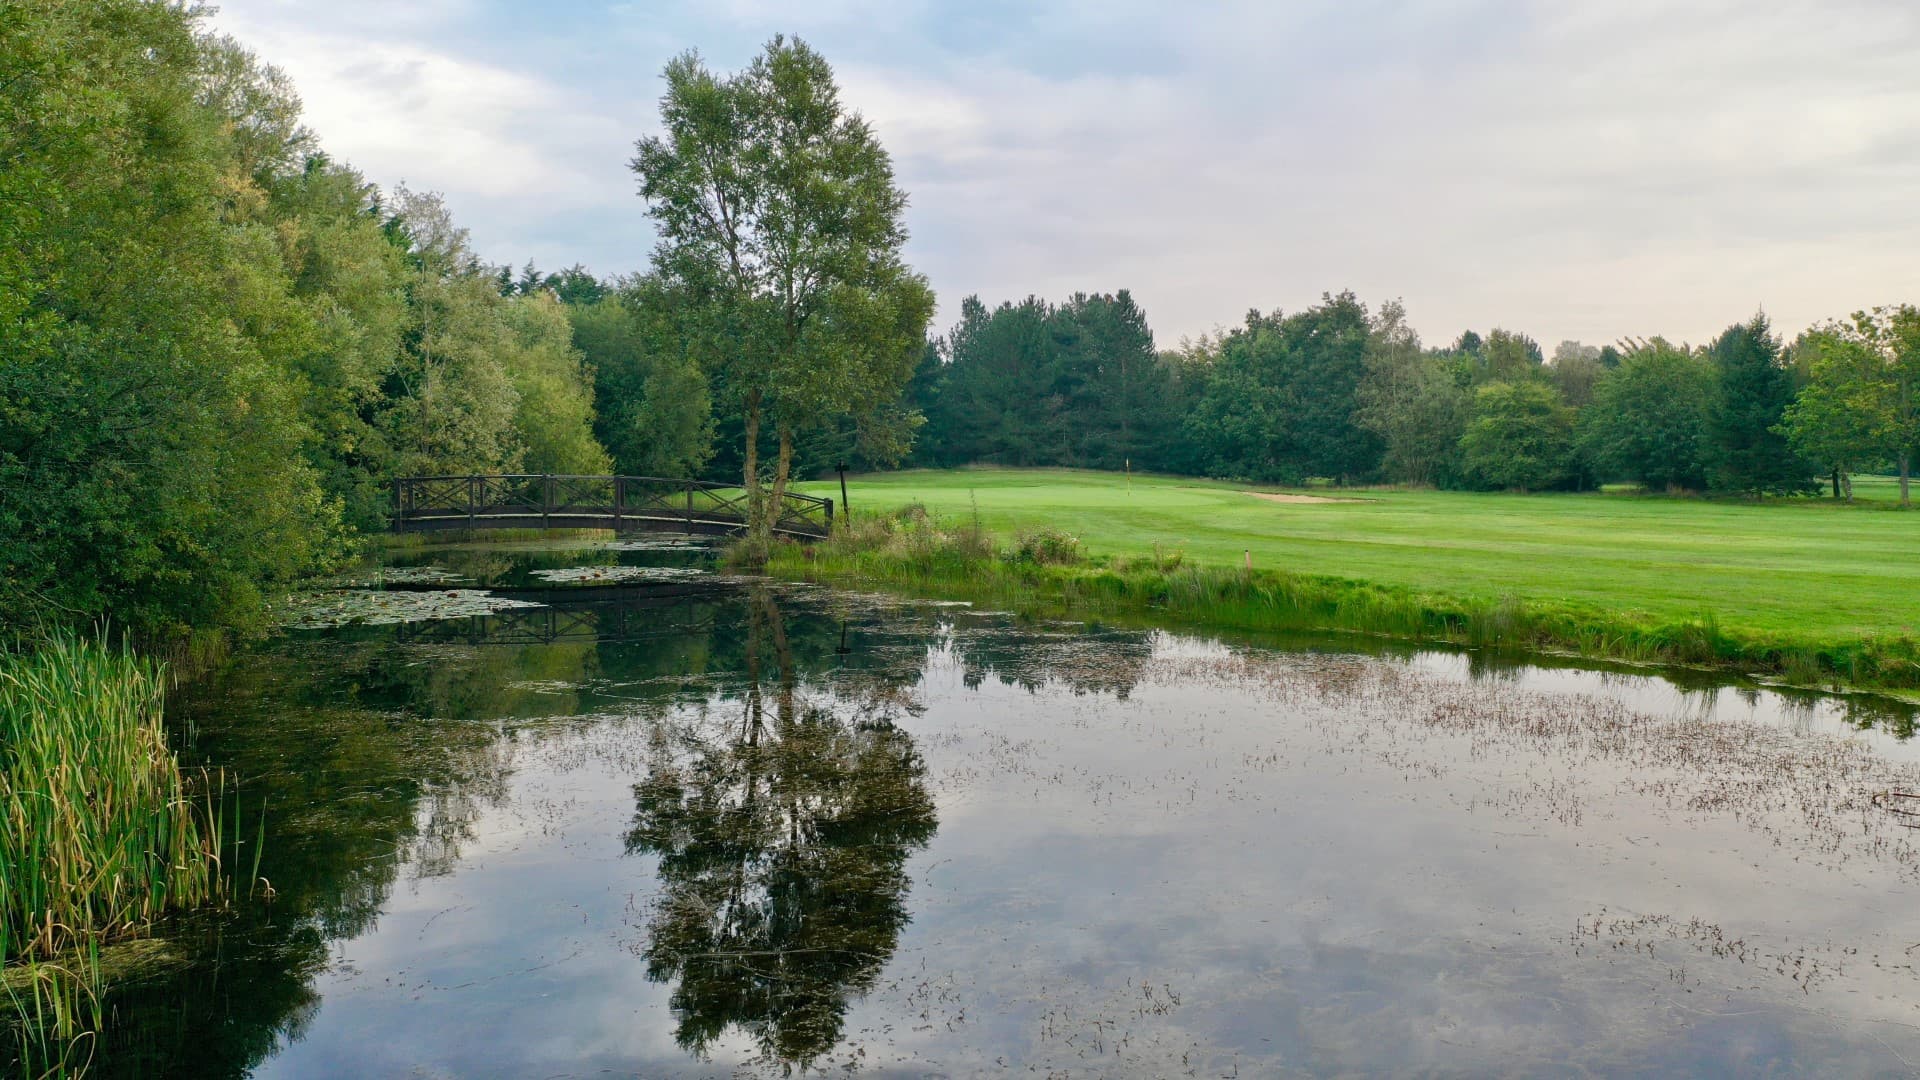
1051	570
1808	570
100	833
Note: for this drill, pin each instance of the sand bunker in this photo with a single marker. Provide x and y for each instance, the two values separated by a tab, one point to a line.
1274	496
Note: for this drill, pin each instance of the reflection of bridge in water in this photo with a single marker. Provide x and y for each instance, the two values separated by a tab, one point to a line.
609	614
620	503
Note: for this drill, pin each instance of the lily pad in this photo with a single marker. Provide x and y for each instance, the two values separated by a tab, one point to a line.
617	575
359	607
401	575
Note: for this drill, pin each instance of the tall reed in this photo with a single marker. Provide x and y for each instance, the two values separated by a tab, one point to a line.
98	831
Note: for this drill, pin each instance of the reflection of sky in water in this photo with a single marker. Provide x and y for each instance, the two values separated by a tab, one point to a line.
1163	860
1801	713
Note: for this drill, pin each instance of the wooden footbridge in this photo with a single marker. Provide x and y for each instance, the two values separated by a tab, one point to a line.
620	503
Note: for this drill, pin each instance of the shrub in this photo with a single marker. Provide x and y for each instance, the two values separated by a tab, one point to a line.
1048	547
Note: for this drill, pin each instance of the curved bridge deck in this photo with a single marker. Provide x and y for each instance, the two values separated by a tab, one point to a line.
620	503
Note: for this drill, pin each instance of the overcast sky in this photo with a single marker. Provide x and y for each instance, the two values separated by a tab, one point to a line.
1570	170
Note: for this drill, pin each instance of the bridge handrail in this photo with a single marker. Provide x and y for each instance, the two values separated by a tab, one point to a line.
795	507
705	485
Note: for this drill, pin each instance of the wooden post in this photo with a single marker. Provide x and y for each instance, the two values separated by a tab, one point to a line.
619	487
846	512
1128	462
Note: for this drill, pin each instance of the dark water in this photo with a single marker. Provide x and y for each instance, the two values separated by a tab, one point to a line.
703	827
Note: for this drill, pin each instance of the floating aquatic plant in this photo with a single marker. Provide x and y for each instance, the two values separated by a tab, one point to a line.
615	575
358	607
402	575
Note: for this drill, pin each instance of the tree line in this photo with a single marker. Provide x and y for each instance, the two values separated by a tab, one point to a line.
1341	393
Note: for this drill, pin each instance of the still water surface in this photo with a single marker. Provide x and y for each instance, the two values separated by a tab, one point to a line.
693	826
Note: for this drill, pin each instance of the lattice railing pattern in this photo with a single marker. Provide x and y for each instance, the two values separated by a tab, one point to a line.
516	500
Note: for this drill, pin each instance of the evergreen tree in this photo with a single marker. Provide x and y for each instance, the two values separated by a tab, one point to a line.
1746	449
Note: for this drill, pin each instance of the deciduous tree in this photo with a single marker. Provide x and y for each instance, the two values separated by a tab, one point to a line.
1648	420
1412	401
779	218
1520	438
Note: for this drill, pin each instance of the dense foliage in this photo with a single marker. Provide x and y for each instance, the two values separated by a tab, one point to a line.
216	343
1034	383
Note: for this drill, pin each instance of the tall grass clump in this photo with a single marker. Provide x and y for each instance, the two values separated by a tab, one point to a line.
100	834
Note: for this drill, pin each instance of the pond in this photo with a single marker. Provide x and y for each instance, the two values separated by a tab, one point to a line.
664	822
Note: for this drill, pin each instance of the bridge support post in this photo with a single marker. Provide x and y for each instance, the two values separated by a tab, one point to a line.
473	497
689	508
619	501
546	501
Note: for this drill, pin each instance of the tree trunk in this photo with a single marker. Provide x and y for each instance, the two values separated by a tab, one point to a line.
1906	460
782	471
751	721
756	516
1846	485
783	656
1836	483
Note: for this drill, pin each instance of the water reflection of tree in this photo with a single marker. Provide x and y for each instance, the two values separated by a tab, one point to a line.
360	789
782	839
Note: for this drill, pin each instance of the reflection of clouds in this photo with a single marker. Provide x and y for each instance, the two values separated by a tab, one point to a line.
1156	855
1267	837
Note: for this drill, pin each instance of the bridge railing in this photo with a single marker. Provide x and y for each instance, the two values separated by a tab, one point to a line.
545	500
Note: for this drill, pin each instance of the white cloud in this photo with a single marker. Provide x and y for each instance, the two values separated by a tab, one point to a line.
1584	171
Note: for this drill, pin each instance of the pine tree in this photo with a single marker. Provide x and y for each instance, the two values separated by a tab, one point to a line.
1746	450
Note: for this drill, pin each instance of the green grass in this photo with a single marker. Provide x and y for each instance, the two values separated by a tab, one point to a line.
1806	569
